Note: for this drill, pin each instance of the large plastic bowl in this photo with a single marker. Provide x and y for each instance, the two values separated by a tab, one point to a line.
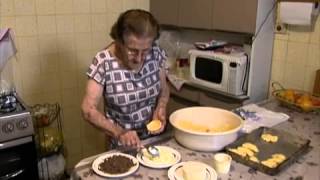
212	118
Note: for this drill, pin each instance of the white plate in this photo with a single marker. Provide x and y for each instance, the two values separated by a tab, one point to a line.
149	163
175	172
100	159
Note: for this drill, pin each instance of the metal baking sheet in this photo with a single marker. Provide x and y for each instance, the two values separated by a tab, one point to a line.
288	144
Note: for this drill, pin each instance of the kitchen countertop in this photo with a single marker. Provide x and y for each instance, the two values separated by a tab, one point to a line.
305	125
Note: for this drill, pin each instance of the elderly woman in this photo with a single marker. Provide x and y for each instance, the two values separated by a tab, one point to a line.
130	76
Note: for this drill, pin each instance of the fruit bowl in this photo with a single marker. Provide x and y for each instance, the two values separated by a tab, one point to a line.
296	99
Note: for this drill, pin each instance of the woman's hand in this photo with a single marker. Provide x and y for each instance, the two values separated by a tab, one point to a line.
129	138
160	114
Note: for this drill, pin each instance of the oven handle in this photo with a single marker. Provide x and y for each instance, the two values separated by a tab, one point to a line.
12	175
15	142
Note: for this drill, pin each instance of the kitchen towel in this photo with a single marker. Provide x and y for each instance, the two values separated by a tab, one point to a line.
297	13
7	47
176	81
255	116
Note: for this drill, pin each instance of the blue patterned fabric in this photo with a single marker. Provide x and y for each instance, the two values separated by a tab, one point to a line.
130	97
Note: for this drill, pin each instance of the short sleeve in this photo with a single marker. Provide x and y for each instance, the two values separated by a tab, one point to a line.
163	58
160	56
97	69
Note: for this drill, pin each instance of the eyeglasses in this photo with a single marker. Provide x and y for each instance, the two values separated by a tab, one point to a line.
136	52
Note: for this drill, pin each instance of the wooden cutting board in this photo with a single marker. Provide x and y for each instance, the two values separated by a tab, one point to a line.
316	88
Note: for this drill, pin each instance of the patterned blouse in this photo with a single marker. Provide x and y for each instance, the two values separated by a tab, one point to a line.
129	97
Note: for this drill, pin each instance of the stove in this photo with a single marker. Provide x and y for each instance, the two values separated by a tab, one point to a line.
15	118
18	155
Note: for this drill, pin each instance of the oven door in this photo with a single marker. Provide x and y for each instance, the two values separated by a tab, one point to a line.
18	159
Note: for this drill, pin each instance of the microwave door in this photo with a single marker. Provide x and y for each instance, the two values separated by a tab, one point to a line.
210	73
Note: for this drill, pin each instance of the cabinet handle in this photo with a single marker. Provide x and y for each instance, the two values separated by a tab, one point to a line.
12	175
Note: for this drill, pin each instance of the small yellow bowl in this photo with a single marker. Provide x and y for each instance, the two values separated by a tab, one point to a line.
154	125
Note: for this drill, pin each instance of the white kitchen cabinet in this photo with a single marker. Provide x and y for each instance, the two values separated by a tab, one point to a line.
218	101
187	92
226	15
177	102
166	11
234	15
195	13
186	97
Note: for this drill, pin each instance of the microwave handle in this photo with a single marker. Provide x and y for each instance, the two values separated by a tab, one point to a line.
12	175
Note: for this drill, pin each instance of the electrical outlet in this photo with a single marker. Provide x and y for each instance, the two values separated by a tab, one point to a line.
280	28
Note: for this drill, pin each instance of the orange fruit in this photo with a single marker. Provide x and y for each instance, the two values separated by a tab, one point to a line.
154	125
289	95
306	105
303	98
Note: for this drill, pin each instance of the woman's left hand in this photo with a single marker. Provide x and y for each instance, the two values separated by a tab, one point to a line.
160	114
160	110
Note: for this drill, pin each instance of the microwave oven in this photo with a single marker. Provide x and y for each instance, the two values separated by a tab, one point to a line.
223	72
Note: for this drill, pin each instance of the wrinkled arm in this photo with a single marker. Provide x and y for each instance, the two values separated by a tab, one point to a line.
160	111
91	113
165	91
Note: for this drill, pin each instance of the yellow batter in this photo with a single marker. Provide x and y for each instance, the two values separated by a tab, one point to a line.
269	138
188	125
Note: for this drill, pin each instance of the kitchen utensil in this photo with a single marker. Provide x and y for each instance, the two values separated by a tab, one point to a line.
207	117
153	151
288	144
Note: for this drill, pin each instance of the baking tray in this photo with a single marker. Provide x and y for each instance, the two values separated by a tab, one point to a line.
288	144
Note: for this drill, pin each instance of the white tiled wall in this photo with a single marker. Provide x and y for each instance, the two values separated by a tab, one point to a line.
296	57
56	40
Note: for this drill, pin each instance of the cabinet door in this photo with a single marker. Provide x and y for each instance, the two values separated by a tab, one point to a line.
176	103
195	13
165	11
234	15
186	92
215	100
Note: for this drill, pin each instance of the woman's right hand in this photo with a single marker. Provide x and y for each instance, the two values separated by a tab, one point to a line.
129	138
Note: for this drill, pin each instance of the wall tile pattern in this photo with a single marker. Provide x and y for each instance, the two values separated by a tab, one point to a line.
56	40
296	57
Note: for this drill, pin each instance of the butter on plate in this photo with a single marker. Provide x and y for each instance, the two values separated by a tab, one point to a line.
165	156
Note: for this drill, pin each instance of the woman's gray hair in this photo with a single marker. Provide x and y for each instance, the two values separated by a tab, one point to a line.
138	22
